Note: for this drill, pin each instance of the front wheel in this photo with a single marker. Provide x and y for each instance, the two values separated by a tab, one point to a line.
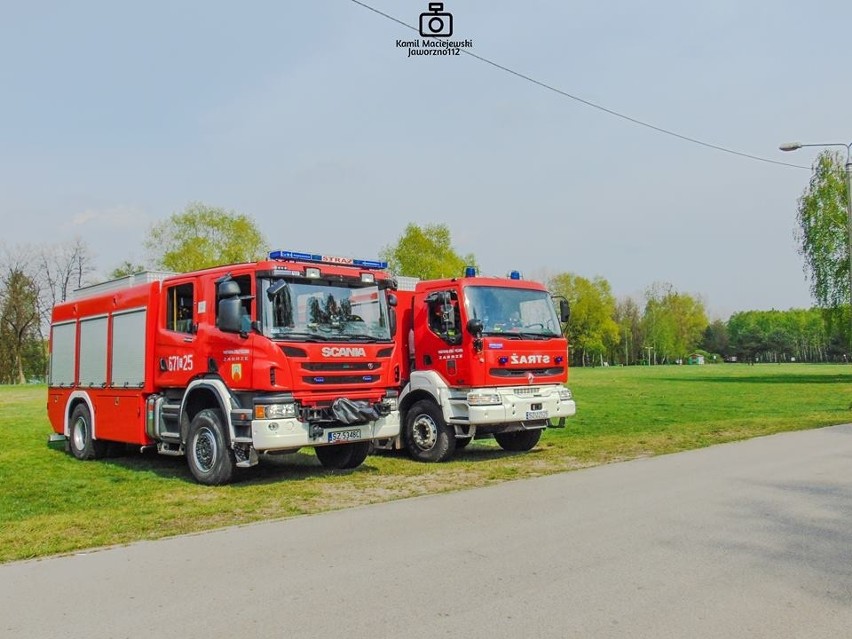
210	459
519	440
426	435
343	456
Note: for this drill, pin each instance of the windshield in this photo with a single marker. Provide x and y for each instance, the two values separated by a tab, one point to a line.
321	310
512	311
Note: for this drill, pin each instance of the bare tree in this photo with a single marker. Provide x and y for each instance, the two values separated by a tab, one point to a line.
64	267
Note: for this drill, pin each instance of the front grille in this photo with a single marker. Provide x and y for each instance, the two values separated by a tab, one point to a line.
523	372
527	391
340	366
330	380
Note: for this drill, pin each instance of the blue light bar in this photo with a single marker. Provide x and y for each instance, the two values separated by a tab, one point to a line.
327	259
470	271
514	275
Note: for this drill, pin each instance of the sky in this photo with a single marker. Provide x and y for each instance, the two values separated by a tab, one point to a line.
308	117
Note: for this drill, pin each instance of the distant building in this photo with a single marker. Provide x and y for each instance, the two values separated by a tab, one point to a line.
695	358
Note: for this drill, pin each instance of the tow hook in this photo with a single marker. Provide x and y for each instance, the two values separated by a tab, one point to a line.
315	431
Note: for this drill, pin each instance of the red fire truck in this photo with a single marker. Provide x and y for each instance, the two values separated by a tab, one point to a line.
227	363
485	357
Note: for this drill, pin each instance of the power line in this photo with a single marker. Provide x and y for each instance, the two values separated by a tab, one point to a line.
593	105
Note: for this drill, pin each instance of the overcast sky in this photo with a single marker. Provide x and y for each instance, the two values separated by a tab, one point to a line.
308	117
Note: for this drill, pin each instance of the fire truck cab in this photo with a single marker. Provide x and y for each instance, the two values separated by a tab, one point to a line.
480	357
226	364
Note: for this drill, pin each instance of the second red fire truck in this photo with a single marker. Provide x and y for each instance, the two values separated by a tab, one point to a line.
229	363
480	357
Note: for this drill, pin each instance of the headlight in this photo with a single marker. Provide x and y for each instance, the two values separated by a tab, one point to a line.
274	411
565	394
483	399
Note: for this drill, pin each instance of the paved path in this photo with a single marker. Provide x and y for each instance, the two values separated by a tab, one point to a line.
752	539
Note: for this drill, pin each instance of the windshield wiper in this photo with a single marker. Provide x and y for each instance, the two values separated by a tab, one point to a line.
526	335
301	337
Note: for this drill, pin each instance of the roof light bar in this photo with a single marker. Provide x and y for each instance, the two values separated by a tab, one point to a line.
327	259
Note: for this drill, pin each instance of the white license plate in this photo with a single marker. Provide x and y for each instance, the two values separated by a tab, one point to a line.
536	414
344	435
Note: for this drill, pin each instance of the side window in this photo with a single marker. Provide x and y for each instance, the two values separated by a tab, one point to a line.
246	299
180	310
444	318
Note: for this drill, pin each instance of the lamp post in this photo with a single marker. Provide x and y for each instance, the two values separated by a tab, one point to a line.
795	146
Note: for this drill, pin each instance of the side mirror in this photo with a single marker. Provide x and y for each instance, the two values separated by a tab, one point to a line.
475	326
274	289
230	307
564	311
230	315
228	288
392	301
392	320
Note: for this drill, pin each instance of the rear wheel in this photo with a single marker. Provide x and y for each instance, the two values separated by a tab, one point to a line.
80	441
210	459
343	456
426	435
519	440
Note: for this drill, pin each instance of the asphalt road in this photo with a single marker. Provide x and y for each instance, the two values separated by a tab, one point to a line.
752	539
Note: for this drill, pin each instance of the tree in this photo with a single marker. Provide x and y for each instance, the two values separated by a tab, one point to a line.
64	267
203	236
674	322
823	235
19	326
715	339
427	253
592	330
124	269
629	320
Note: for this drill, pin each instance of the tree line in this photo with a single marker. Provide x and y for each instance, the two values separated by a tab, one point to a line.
667	326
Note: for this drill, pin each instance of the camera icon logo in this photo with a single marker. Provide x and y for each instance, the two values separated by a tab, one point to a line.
436	23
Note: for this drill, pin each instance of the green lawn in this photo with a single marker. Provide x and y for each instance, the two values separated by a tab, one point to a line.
50	503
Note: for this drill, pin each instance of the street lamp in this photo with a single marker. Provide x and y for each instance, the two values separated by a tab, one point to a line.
795	146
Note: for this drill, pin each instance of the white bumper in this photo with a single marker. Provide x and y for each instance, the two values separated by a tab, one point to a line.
519	404
286	434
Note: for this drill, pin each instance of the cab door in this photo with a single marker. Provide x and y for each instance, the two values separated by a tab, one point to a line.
177	360
439	342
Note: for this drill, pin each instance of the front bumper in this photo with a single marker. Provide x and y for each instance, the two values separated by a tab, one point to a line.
289	434
527	404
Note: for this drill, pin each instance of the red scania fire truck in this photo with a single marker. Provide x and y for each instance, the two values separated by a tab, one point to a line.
227	363
480	357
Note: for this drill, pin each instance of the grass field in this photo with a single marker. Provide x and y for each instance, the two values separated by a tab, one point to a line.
51	503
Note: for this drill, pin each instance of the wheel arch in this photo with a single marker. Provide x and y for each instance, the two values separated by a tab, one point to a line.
75	399
203	394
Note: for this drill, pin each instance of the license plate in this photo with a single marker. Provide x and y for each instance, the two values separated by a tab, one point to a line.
344	435
536	414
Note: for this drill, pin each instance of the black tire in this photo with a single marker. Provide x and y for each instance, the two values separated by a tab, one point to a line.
519	440
343	456
426	436
80	441
210	459
462	442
